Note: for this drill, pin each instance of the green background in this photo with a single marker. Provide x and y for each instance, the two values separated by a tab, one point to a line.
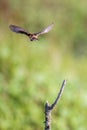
32	72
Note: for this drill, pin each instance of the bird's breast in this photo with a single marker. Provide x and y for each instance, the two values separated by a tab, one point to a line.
33	37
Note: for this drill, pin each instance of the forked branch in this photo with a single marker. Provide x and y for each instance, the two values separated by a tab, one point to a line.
49	108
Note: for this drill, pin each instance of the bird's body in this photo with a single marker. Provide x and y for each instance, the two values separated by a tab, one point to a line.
32	36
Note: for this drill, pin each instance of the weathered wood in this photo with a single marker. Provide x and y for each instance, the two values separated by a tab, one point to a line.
49	108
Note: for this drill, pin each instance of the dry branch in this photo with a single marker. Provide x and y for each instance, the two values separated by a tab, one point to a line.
49	108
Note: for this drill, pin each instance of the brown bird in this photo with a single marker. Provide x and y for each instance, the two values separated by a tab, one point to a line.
32	36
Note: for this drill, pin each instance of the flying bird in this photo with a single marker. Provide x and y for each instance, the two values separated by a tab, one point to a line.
32	36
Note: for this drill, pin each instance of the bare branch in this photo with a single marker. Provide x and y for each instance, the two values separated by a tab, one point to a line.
49	108
59	95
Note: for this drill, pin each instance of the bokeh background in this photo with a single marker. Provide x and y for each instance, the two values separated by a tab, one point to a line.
32	72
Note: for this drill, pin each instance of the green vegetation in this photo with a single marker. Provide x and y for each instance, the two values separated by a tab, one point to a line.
32	72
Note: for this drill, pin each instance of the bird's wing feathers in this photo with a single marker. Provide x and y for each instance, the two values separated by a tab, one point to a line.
46	30
18	29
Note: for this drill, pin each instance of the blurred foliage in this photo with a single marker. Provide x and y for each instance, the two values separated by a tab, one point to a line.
32	72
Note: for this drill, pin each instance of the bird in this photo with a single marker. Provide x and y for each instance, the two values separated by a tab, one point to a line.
32	36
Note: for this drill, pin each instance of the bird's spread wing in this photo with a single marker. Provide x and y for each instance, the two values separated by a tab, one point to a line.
18	29
46	30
